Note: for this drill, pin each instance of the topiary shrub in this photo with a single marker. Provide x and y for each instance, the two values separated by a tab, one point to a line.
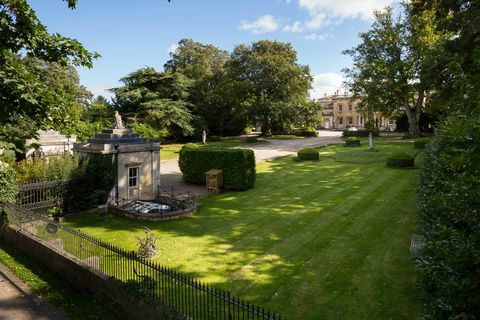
308	154
308	132
359	133
8	183
400	159
238	165
251	139
352	142
420	143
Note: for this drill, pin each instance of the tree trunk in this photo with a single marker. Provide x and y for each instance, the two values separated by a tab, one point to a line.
413	114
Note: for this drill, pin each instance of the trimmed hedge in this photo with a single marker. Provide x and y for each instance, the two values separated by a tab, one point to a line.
449	215
308	154
359	133
251	139
352	142
400	159
238	165
421	143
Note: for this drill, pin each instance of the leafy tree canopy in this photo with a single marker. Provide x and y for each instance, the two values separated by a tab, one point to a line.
25	96
159	98
388	73
268	77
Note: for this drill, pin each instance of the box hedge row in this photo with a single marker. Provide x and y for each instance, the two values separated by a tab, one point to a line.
400	159
238	165
352	142
308	154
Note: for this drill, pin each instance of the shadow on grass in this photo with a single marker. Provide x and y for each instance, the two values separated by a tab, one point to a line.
312	239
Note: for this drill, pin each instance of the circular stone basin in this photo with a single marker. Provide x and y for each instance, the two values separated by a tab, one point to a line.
149	207
163	208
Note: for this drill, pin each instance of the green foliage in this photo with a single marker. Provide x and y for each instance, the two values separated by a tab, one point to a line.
25	95
8	183
270	83
238	165
308	154
352	142
7	152
448	206
400	159
421	143
55	212
92	184
308	132
57	168
159	98
148	132
388	73
251	139
359	133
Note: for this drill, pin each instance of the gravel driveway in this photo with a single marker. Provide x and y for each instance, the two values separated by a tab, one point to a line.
171	176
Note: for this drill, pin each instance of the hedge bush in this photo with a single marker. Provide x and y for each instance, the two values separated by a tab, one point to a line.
309	132
449	215
308	154
8	183
251	139
238	165
400	159
359	133
352	142
420	143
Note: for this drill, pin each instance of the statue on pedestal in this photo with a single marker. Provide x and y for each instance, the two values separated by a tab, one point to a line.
204	137
118	124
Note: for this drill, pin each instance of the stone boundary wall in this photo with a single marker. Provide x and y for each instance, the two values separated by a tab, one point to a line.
103	288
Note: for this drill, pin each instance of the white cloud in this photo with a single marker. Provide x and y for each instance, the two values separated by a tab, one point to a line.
326	83
264	24
295	27
102	90
172	48
325	12
319	36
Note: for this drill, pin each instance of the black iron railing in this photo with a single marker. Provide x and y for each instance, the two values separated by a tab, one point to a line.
149	281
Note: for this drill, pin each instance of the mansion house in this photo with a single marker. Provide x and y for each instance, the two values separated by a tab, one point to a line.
340	112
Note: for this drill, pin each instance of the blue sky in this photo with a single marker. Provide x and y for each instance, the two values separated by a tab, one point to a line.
133	34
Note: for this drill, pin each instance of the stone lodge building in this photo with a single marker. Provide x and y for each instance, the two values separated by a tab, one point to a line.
339	112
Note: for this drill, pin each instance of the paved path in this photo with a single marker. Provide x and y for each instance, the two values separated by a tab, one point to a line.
171	176
18	302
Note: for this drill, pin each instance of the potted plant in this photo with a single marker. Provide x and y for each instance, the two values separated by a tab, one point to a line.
56	214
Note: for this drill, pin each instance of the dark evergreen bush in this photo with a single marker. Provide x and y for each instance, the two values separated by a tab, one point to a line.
251	139
359	133
420	143
400	159
448	198
308	154
352	142
238	165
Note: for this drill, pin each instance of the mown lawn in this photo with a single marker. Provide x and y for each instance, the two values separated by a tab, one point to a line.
312	240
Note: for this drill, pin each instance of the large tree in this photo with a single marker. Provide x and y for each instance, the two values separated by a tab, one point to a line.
388	73
159	99
211	94
455	61
268	81
25	99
